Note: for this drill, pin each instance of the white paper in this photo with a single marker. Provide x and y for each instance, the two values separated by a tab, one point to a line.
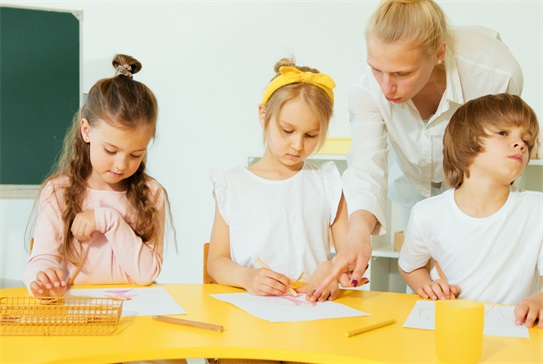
137	301
287	308
499	320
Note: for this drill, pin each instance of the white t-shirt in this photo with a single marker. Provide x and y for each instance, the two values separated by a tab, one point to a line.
285	223
477	63
492	259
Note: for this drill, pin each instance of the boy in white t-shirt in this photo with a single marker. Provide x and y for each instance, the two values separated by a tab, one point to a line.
486	235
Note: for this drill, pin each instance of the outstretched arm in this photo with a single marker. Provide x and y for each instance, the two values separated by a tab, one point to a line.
355	252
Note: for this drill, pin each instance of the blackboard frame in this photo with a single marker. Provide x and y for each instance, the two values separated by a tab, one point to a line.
40	91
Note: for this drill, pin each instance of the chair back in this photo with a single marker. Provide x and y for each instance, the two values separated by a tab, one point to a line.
207	278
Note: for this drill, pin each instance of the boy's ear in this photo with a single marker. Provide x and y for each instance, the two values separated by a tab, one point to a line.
262	114
85	130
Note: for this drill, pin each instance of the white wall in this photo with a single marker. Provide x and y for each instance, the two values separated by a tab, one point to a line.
208	63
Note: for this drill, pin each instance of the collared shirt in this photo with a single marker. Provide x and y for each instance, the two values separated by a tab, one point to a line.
477	63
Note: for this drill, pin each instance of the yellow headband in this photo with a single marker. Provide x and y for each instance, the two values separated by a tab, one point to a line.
291	75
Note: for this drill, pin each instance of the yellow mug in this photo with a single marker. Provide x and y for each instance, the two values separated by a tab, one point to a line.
459	330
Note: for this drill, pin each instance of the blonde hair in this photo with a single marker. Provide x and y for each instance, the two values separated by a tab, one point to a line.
420	23
315	97
470	124
121	102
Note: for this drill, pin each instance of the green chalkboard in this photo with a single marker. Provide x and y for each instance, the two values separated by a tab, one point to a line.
39	90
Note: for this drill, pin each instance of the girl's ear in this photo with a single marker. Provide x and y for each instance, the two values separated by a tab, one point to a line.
262	114
85	130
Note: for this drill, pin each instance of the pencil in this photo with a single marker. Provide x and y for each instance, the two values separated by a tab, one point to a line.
179	321
442	276
369	328
264	265
71	280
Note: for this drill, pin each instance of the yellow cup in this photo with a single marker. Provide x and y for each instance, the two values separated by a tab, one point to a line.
459	330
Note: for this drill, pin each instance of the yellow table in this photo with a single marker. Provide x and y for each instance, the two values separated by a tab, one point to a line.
245	336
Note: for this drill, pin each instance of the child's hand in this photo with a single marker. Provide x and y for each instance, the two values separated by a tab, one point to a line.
438	289
49	283
266	282
529	310
329	293
84	225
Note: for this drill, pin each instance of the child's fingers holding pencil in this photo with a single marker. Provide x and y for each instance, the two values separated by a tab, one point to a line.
264	265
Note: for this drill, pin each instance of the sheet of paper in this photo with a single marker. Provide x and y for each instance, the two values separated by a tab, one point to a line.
499	320
287	308
137	301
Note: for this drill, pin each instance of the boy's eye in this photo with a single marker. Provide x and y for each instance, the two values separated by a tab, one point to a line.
502	133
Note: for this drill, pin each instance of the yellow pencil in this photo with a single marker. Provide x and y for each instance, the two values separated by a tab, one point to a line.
442	276
179	321
264	265
369	328
79	267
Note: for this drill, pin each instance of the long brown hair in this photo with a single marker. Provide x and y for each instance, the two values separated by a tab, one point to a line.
121	102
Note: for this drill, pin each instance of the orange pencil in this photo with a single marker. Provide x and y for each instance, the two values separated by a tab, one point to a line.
442	276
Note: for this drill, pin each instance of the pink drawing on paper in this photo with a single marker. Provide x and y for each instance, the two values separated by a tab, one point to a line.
120	293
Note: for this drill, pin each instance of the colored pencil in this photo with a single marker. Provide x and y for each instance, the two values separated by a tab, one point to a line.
369	328
179	321
442	276
74	274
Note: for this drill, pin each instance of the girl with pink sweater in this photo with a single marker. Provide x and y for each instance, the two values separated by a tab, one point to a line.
100	218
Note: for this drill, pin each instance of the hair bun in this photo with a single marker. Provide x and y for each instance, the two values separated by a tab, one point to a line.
291	62
126	65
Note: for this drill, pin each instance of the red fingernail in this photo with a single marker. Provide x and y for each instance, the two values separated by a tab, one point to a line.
354	283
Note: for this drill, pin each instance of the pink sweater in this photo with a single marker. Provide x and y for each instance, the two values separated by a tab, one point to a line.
116	253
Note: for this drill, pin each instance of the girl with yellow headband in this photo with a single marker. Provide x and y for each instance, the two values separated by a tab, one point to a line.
272	219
